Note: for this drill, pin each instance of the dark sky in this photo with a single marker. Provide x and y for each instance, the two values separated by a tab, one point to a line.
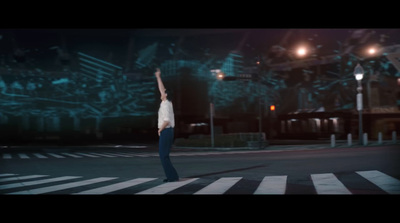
215	36
114	42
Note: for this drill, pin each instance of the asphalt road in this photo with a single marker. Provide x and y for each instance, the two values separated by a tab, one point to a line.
128	171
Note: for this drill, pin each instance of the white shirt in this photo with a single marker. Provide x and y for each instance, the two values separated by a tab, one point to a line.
166	113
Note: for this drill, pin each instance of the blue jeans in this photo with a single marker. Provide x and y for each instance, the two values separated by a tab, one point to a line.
164	148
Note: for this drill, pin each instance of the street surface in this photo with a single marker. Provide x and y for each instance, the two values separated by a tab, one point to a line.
136	170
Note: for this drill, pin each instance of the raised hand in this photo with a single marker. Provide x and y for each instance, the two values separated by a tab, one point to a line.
158	72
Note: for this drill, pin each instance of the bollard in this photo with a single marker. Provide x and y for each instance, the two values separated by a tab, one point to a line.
365	139
333	140
379	137
394	136
349	139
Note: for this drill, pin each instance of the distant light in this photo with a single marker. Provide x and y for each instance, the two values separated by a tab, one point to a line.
371	51
215	71
272	107
359	76
198	124
220	75
301	51
358	72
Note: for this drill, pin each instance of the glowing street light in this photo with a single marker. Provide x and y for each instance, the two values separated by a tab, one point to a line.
371	51
359	74
302	51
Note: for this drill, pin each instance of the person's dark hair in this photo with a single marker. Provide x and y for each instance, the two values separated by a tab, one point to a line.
169	94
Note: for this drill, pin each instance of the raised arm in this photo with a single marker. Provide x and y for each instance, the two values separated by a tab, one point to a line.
159	81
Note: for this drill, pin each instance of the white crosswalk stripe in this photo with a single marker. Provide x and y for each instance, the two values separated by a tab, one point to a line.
167	187
71	155
117	186
387	183
38	155
323	183
109	154
61	155
36	182
7	156
327	183
7	174
88	155
272	185
21	178
23	156
56	155
101	154
63	186
220	186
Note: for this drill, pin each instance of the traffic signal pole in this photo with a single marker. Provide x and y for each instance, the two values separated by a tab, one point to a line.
259	115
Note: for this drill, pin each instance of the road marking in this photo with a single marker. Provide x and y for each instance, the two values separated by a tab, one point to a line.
38	155
72	155
116	154
127	154
21	178
56	155
100	154
167	187
145	155
88	155
23	156
49	189
6	156
220	186
36	182
272	185
327	183
7	174
387	183
117	186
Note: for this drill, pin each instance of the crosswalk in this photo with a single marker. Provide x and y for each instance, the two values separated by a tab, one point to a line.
63	155
113	154
323	183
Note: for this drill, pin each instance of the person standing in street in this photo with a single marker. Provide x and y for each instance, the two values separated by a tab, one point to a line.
166	124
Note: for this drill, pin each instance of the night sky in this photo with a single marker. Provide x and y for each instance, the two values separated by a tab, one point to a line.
112	43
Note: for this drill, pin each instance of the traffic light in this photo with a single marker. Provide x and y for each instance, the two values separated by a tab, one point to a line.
272	107
272	111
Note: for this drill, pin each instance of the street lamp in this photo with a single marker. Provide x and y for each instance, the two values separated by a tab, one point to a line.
359	74
220	75
301	51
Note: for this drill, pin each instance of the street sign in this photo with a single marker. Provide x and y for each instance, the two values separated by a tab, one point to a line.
245	76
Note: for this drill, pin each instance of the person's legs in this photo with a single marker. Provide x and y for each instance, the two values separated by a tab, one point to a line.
165	144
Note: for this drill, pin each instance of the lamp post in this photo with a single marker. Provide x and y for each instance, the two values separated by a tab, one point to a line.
359	74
